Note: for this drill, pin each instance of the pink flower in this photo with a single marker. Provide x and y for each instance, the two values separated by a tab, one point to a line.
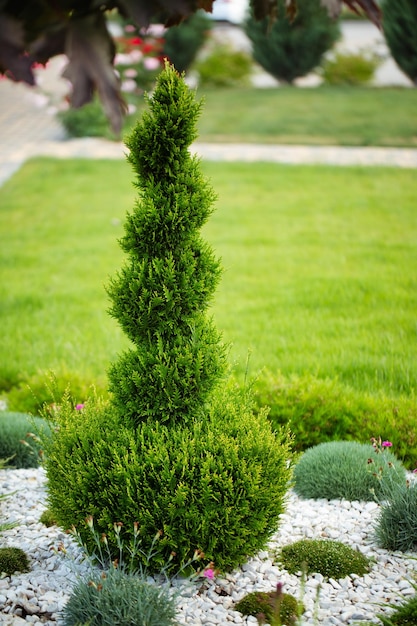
386	444
151	63
209	573
415	471
79	407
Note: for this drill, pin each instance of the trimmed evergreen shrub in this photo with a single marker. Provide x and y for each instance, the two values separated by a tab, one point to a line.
13	560
183	41
348	470
16	443
400	27
332	559
396	527
288	50
120	599
276	607
176	452
319	410
216	485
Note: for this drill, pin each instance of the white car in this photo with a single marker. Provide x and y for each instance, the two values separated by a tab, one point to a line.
233	11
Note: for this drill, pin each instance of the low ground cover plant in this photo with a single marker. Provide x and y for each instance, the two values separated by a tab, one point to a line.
177	451
274	607
332	559
348	470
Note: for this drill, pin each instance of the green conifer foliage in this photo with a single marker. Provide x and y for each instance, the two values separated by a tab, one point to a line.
161	295
400	30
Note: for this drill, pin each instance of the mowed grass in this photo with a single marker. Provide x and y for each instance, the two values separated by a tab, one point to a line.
320	270
326	115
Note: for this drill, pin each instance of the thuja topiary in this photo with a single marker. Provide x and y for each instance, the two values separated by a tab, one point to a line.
178	452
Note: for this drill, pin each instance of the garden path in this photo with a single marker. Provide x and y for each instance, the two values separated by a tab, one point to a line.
28	127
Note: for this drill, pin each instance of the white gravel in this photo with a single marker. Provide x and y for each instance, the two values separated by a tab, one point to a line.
37	597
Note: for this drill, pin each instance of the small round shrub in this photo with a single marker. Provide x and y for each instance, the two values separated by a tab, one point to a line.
119	599
396	527
347	470
224	67
332	559
348	68
404	615
13	560
268	604
86	121
16	445
218	485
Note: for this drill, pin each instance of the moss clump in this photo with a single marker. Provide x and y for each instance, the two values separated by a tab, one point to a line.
48	518
332	559
13	560
272	607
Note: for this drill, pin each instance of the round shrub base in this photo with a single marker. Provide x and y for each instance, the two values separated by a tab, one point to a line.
217	485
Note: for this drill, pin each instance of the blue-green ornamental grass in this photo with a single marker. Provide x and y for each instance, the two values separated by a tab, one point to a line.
348	470
396	527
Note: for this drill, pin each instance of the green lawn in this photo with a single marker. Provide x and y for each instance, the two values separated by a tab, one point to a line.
356	116
320	269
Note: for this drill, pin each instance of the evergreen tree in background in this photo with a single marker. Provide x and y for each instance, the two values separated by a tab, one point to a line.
160	297
183	42
290	49
400	30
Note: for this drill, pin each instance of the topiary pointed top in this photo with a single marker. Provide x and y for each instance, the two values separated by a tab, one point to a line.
159	142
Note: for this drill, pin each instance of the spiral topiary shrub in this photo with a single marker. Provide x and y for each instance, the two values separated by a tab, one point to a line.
16	443
332	559
274	607
396	527
119	599
13	560
348	470
177	452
